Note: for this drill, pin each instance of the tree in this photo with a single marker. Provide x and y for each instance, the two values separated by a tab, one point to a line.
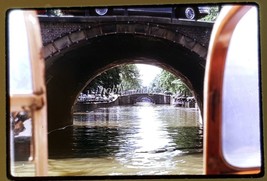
181	88
130	77
166	79
121	77
107	79
169	82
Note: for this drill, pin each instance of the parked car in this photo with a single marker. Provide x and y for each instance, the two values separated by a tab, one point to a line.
187	12
192	12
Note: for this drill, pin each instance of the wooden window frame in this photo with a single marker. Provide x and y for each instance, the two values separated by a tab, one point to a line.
214	162
35	102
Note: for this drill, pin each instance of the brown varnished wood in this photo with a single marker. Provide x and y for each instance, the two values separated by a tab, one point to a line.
214	162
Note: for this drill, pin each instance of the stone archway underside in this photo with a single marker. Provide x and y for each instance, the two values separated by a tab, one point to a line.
142	98
69	72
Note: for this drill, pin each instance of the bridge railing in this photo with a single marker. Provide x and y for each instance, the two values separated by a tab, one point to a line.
99	98
140	91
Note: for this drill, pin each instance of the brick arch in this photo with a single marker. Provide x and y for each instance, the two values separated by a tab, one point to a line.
68	40
69	70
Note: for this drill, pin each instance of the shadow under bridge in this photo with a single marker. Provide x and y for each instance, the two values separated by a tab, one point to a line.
76	50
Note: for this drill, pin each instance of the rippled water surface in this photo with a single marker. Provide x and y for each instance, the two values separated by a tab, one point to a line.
143	139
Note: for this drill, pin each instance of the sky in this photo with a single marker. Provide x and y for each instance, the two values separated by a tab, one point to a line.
148	73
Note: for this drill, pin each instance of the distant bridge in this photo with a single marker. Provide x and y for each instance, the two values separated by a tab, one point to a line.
77	49
143	97
129	99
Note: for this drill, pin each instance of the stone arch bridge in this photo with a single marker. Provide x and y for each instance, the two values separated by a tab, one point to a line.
77	49
141	97
129	99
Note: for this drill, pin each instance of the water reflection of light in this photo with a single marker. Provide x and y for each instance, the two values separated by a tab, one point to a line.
99	146
151	136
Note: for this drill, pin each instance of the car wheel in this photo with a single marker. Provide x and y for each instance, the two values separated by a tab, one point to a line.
101	11
190	13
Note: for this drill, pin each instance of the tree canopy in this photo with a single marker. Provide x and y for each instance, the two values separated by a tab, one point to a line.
127	77
167	81
122	77
130	77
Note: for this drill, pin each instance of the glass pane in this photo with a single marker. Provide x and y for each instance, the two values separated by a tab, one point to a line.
20	81
241	116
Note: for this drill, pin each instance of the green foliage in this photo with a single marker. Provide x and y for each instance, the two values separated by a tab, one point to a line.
214	12
125	76
169	82
130	77
107	79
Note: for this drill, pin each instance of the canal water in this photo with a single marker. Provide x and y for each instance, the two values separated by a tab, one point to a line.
144	139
